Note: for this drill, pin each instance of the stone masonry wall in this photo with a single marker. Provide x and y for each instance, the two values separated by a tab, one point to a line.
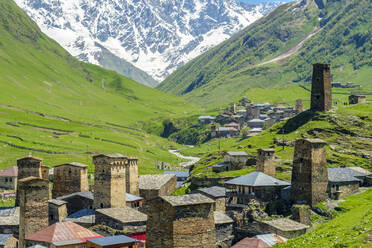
69	179
321	91
27	167
266	162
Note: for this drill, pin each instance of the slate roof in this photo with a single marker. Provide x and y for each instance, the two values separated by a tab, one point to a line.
237	153
4	238
178	173
88	195
10	172
344	175
113	240
285	224
220	217
256	179
61	232
123	214
82	216
154	181
184	200
214	191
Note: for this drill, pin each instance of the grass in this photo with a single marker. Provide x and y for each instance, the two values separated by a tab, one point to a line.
350	228
63	110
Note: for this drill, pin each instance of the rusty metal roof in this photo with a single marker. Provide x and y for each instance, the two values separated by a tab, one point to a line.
10	172
62	232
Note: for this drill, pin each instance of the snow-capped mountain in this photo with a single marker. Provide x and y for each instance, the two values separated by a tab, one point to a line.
157	36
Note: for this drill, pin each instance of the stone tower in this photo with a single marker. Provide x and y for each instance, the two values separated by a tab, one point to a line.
309	172
266	162
181	222
70	178
28	167
321	90
299	106
109	181
33	202
131	174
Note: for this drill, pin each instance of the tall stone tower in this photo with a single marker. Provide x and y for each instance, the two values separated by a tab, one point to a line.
131	174
33	202
70	178
309	172
266	161
28	167
321	90
109	181
299	106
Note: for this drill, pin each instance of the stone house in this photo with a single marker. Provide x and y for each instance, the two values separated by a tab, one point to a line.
233	125
227	132
181	222
255	185
8	241
57	211
153	186
61	234
355	99
236	160
256	123
206	119
220	167
216	193
125	219
84	217
78	201
224	229
8	178
70	178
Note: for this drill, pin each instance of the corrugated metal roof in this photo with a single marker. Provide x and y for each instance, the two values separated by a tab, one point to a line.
62	231
113	240
10	172
256	179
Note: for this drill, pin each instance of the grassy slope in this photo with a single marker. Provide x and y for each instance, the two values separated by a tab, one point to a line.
351	228
230	70
348	131
40	82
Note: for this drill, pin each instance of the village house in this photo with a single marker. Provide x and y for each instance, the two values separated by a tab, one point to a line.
206	119
61	234
119	241
236	160
256	123
84	217
57	211
233	125
255	185
227	132
153	186
355	99
216	193
8	178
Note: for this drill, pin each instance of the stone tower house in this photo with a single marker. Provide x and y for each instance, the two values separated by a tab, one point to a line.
28	167
266	161
181	222
321	90
33	202
131	173
299	106
309	172
109	181
70	178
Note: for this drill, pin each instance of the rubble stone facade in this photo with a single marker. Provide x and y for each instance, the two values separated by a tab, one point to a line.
33	201
28	167
70	178
321	90
355	99
266	161
309	172
131	173
181	222
109	181
301	214
57	211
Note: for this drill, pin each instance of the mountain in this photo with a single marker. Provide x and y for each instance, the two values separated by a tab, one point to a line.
277	52
61	109
157	36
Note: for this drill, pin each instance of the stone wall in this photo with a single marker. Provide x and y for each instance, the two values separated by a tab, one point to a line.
220	204
266	161
321	91
28	167
76	203
57	212
166	187
128	227
131	173
301	214
309	173
33	201
69	179
342	189
224	235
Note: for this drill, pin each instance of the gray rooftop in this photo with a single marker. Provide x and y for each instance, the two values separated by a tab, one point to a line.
237	153
344	175
132	198
124	214
220	217
4	238
154	181
214	191
88	195
84	216
75	164
256	179
206	117
184	200
285	224
9	216
219	165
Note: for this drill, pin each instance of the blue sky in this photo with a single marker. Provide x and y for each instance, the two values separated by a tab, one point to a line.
260	1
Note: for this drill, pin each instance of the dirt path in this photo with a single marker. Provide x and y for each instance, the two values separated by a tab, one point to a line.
188	164
293	49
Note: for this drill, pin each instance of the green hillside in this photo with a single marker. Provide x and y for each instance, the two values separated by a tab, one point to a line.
62	110
339	33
